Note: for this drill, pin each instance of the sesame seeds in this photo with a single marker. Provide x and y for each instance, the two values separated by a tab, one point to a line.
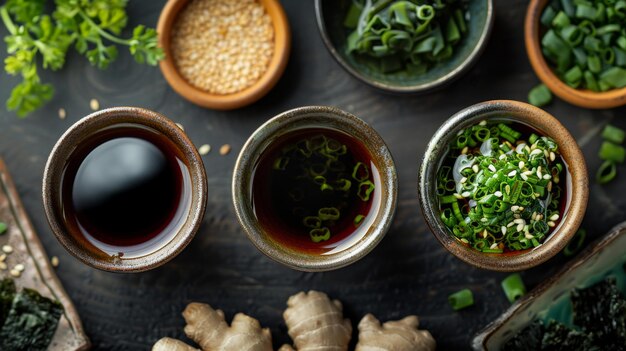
204	149
62	113
554	217
94	105
54	261
225	149
7	249
17	270
475	168
512	173
222	46
492	168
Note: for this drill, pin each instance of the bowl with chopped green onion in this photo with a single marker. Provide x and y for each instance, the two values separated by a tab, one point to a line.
578	49
503	185
405	46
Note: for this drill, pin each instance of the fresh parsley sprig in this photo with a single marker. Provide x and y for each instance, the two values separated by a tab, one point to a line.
93	27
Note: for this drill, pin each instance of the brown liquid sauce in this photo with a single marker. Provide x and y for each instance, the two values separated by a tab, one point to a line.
126	191
283	197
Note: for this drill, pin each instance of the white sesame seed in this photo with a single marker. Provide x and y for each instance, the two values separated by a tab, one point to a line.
527	173
475	168
528	236
521	208
204	149
503	229
514	208
55	261
520	227
521	164
494	246
516	216
466	194
482	123
524	176
7	249
547	176
551	224
512	173
94	104
19	267
463	180
519	221
498	193
546	153
492	168
535	152
3	266
510	224
15	273
552	156
554	217
502	157
483	219
485	234
465	150
225	149
539	216
62	113
534	216
549	186
464	240
458	196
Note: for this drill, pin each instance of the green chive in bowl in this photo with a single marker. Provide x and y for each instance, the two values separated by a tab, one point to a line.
422	74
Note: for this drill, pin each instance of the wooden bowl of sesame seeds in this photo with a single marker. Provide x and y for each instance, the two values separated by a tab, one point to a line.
223	54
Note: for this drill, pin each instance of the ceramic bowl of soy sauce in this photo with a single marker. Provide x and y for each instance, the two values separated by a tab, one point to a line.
315	188
511	199
124	190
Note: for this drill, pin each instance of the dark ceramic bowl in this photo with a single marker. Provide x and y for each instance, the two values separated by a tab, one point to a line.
549	300
171	243
304	118
330	17
576	183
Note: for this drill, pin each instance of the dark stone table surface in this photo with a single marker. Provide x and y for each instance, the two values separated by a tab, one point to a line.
408	273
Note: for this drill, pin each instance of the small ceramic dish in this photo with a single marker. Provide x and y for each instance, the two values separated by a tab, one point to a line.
579	97
576	183
159	249
603	258
282	46
330	18
315	117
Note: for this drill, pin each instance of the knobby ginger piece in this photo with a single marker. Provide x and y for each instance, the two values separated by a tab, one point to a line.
314	322
401	335
208	329
169	344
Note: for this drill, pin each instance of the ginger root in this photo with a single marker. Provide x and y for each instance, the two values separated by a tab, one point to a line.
169	344
314	322
402	335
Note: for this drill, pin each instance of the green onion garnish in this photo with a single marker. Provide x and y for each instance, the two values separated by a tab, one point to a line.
461	299
3	228
319	234
606	172
408	36
576	243
540	95
584	40
613	134
612	152
513	287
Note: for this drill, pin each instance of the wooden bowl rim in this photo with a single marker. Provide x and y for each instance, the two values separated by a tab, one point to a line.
282	39
579	97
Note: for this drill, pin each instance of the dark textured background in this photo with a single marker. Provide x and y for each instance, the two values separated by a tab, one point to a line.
408	273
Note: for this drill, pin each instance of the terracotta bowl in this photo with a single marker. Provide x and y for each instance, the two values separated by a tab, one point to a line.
576	183
303	118
579	97
549	300
282	38
170	243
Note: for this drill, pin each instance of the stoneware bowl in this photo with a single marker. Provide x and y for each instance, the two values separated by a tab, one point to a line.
170	244
579	97
282	46
550	300
576	183
303	118
330	17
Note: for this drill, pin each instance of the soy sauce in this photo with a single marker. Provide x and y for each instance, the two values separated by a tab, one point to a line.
316	190
124	189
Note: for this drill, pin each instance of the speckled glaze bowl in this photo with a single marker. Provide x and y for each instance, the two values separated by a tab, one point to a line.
577	183
550	299
304	118
79	246
330	18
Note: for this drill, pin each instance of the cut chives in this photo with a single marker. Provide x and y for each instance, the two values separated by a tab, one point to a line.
513	287
461	299
612	152
606	172
540	95
613	134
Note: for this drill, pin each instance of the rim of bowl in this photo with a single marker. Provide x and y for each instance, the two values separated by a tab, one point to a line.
546	124
579	97
303	118
275	69
441	82
66	145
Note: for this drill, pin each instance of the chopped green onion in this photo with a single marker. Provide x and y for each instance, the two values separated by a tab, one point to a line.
3	228
461	299
613	134
319	234
312	222
612	152
328	213
576	243
606	172
513	287
540	95
358	219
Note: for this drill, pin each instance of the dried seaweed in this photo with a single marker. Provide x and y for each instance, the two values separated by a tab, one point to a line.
558	337
528	339
7	293
601	311
31	323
